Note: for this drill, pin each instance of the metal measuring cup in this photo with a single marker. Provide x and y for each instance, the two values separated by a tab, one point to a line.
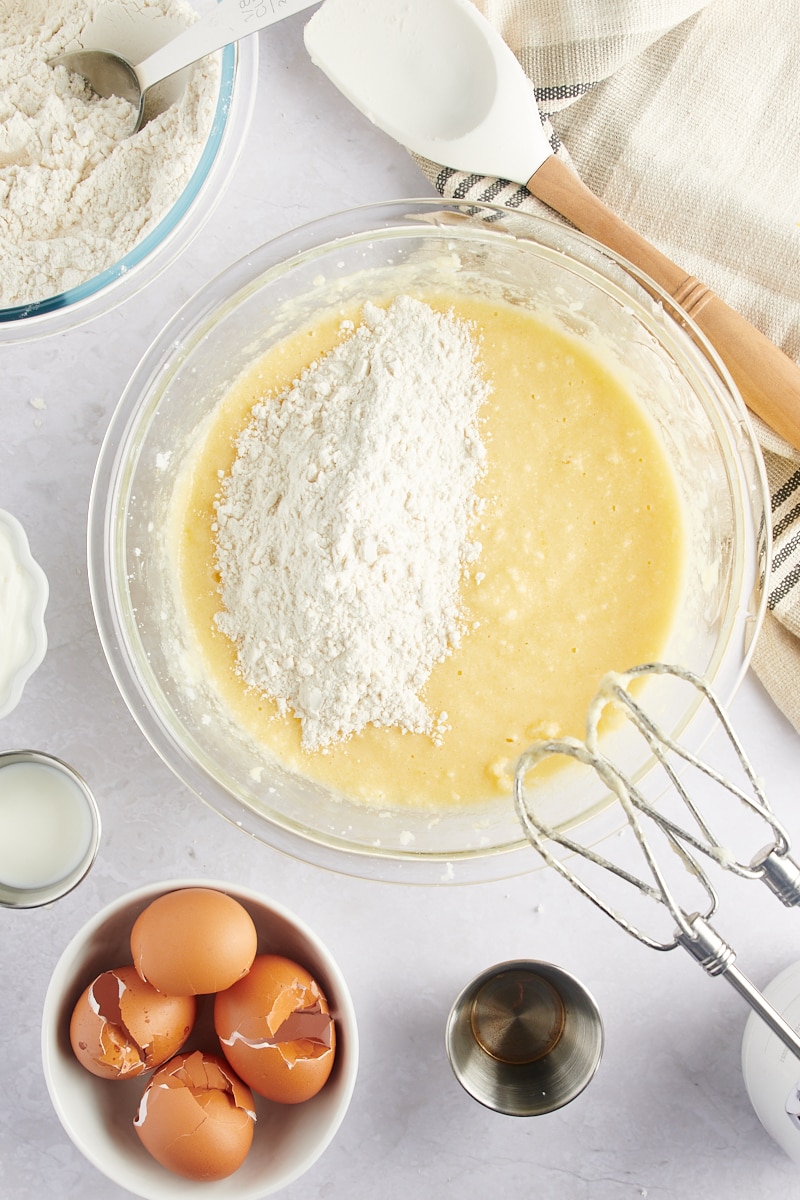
524	1038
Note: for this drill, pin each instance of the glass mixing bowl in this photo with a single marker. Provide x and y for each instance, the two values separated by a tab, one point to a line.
534	262
176	229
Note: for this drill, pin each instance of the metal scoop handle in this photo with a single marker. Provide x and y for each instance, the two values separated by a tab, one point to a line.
227	22
112	74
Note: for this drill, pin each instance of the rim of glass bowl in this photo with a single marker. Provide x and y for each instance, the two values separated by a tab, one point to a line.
180	225
186	329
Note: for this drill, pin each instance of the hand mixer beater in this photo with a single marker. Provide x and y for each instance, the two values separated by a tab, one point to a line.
673	819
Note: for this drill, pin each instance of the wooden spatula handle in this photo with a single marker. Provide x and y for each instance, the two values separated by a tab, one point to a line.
768	379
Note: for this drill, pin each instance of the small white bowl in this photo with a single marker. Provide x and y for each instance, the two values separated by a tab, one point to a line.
23	638
98	1114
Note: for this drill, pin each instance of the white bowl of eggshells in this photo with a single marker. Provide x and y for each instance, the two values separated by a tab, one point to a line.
112	1086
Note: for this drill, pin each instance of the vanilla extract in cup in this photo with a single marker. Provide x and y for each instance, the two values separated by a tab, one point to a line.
49	829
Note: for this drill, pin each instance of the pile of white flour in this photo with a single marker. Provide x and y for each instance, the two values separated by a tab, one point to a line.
76	193
344	529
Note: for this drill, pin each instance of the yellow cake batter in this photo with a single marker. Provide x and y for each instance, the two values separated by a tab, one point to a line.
580	572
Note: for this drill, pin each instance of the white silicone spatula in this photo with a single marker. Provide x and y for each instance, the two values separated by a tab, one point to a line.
438	77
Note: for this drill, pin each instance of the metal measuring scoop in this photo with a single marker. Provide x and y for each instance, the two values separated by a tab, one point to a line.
110	74
524	1038
685	839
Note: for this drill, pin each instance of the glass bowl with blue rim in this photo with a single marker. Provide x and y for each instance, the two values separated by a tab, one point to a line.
178	226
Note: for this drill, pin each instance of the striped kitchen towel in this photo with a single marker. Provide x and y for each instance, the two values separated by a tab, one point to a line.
683	116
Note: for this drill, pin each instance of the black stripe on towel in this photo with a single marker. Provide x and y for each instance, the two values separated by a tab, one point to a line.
561	92
785	490
787	551
520	196
494	189
460	190
784	587
786	520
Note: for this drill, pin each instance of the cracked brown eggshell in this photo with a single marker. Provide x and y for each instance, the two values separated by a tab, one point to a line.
196	1117
193	941
276	1030
122	1026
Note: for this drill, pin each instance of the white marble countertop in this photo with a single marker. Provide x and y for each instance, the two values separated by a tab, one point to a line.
666	1115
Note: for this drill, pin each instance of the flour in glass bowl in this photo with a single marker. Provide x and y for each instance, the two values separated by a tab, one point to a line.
76	193
343	530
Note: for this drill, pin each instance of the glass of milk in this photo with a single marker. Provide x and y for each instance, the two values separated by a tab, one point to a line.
49	829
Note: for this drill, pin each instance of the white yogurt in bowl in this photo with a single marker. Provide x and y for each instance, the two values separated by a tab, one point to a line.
24	592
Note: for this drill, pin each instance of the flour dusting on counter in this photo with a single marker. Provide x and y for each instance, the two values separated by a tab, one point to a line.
343	529
76	193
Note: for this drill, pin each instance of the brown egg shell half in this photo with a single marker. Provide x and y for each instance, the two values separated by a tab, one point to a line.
196	1118
276	1031
122	1027
193	941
